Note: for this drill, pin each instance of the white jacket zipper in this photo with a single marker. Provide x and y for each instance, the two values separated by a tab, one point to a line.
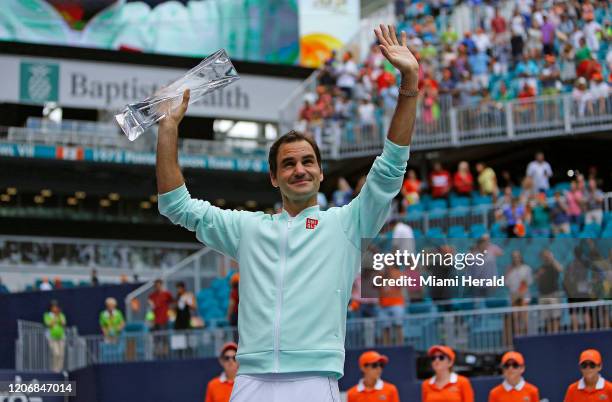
279	295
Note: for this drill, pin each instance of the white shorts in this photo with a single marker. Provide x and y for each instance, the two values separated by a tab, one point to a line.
284	387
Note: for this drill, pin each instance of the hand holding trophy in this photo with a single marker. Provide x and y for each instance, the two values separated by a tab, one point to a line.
214	72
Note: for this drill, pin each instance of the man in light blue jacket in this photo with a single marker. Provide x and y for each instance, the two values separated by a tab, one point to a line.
296	267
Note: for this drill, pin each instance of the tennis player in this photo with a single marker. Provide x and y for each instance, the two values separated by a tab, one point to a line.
296	267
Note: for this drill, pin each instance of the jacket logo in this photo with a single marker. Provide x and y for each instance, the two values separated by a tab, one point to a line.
311	223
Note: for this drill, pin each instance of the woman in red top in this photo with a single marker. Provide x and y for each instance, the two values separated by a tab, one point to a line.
463	181
445	385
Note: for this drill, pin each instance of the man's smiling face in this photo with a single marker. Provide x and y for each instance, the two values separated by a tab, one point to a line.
298	174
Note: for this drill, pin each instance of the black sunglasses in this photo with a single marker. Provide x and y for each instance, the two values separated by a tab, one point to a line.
590	365
438	357
375	365
227	358
513	365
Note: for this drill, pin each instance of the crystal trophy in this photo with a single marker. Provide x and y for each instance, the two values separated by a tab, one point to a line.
214	72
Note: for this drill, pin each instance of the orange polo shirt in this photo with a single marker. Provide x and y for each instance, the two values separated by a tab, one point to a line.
458	389
577	392
522	392
219	389
382	391
392	295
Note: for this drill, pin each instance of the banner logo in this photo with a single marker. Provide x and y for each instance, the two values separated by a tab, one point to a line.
39	82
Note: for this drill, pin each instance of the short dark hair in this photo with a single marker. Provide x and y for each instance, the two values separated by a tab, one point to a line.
291	136
180	284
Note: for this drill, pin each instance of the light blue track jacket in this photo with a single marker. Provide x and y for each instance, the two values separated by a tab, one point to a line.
296	273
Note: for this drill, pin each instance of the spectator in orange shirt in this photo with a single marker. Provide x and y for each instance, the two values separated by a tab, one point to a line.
411	189
592	386
219	389
371	388
463	181
445	385
391	301
514	388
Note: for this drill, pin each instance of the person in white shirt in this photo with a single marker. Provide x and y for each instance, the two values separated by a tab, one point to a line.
540	171
600	90
591	30
45	285
482	41
367	118
347	75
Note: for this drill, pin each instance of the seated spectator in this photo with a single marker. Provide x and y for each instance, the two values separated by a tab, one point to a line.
586	64
599	91
439	181
111	321
371	386
45	285
487	180
582	97
515	215
411	189
463	182
559	215
575	200
593	200
568	66
549	76
540	217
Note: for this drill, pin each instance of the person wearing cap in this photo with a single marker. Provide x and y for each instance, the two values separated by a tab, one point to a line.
371	388
592	386
445	385
219	389
514	388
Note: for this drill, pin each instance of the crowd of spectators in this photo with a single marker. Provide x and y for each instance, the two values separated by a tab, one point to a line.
543	48
102	255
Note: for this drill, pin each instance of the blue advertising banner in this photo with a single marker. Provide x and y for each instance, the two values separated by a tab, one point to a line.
129	157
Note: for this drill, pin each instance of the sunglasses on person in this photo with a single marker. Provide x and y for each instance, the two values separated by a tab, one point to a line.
227	358
438	357
375	365
513	365
588	364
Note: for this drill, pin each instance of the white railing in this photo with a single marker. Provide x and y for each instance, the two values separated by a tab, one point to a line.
61	252
472	125
51	136
486	330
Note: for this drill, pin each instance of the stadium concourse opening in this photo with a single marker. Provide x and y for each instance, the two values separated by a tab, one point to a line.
509	163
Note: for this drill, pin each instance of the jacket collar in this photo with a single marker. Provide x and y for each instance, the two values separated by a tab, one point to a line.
452	380
600	383
517	387
378	386
285	215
